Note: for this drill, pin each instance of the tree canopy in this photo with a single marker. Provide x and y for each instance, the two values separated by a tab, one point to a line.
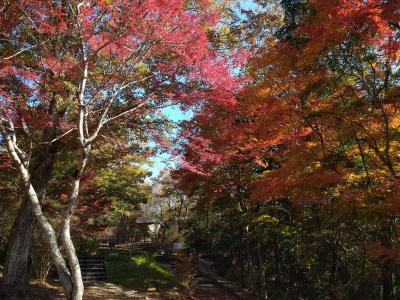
286	166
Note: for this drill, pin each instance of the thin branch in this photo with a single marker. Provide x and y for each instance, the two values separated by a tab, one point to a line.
19	52
9	137
101	124
13	138
103	120
59	137
126	112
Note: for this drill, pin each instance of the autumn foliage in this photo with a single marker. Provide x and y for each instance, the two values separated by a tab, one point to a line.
322	104
291	150
317	127
80	75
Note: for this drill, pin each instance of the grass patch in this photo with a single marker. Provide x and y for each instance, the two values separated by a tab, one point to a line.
139	272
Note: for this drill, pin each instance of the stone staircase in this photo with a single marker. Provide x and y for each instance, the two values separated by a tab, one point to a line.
128	248
93	268
145	246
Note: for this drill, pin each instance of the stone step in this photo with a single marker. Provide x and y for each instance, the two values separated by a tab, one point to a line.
83	267
85	263
93	268
103	278
91	259
94	271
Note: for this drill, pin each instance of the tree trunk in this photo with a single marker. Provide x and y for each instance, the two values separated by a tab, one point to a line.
261	272
387	272
50	236
76	274
77	292
387	282
179	213
17	263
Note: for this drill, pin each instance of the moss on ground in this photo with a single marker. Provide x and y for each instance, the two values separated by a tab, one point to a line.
141	272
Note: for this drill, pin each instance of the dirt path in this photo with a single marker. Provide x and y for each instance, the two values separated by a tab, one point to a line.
96	291
208	288
210	285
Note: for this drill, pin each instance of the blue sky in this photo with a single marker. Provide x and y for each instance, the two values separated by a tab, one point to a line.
161	161
248	4
175	114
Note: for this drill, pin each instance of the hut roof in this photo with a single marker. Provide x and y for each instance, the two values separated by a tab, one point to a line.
146	220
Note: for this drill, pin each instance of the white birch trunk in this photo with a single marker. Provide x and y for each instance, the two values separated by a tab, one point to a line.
49	233
66	230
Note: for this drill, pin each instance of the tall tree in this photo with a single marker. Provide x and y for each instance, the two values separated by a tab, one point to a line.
320	119
102	64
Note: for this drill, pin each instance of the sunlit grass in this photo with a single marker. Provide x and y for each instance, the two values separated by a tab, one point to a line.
139	272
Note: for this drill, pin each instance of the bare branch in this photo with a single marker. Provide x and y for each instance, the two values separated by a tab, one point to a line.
59	137
103	120
126	112
9	132
9	137
19	52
